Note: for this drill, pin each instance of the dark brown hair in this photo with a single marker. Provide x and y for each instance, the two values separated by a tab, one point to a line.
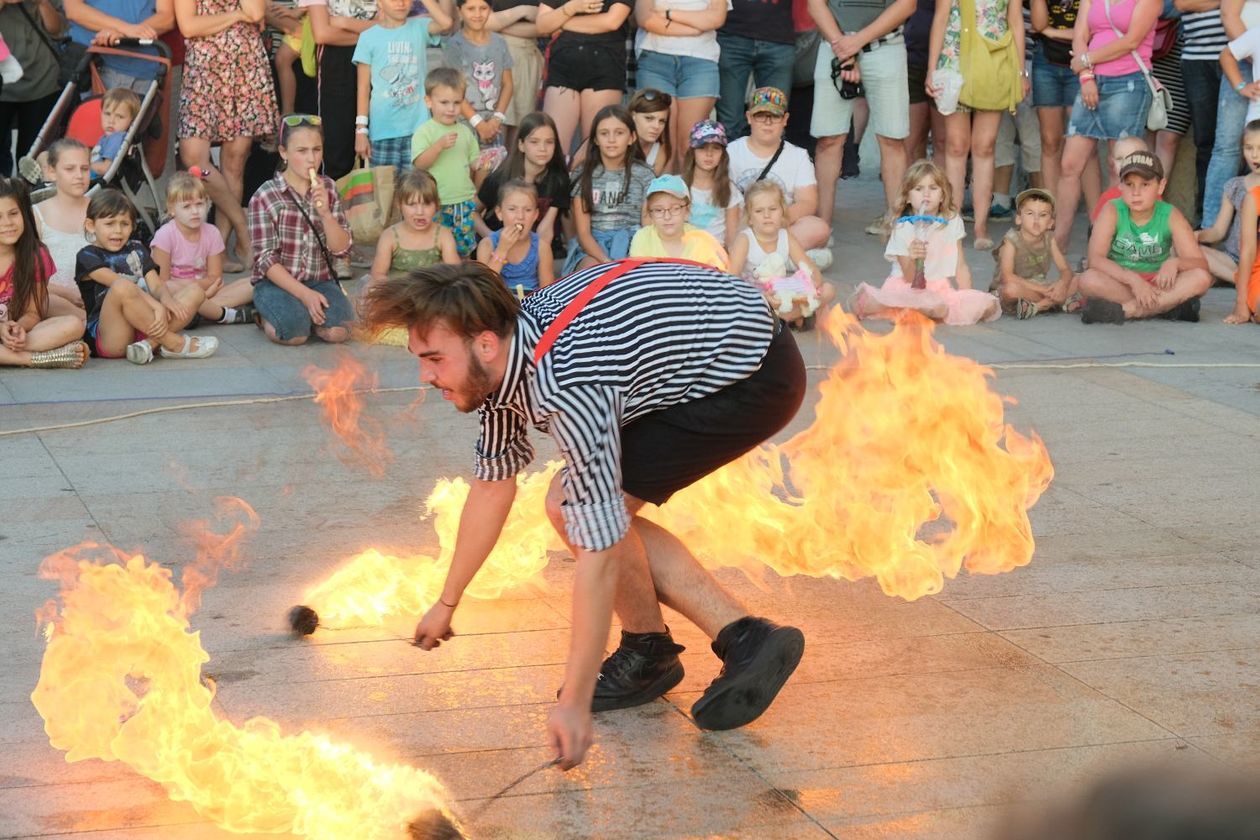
652	101
721	177
468	299
594	157
30	287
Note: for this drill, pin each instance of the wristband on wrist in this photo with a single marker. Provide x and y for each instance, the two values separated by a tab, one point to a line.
1085	62
500	116
475	120
361	130
1239	87
361	119
1087	77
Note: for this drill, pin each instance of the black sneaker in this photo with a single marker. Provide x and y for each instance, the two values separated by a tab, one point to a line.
1099	311
1187	310
643	667
757	657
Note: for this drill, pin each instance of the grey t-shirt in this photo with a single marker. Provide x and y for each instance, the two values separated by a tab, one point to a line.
482	65
612	206
39	67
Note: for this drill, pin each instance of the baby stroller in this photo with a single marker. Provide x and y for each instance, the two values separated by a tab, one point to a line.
142	157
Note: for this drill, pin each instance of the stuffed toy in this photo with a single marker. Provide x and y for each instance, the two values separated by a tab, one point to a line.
786	292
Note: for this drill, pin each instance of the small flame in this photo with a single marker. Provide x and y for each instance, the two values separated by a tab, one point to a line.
907	474
121	681
215	550
337	393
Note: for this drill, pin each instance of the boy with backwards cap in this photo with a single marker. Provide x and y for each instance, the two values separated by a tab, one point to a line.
1144	259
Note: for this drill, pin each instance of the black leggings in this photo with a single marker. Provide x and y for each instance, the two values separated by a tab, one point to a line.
338	81
28	118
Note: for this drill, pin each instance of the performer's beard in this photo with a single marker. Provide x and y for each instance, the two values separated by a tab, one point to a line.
477	386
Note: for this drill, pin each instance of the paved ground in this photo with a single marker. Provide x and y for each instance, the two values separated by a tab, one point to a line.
1133	633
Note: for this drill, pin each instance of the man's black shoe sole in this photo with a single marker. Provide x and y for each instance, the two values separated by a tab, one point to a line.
743	699
647	694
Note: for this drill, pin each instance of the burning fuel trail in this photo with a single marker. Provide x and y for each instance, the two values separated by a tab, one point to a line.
908	474
121	681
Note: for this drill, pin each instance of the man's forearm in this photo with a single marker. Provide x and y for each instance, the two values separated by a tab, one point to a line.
594	586
480	523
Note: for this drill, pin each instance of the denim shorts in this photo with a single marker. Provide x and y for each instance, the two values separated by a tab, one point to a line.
681	76
1123	102
1053	85
289	318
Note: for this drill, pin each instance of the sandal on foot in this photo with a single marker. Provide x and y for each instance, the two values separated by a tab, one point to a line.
1025	309
72	356
1074	302
983	244
206	345
140	353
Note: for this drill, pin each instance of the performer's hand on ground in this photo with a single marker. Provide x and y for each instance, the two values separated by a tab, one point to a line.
435	627
570	731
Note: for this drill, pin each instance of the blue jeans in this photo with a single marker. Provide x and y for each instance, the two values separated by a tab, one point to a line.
769	63
1203	81
1231	116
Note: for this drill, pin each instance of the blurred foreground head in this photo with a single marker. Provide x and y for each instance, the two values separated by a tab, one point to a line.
1194	802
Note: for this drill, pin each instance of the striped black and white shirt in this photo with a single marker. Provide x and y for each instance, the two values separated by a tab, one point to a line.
660	335
1204	36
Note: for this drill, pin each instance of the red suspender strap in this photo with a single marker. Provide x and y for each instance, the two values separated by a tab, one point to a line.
570	312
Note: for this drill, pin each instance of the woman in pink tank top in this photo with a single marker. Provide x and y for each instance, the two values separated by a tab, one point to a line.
1114	98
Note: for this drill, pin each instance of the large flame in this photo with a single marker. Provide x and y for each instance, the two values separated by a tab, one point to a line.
121	681
907	474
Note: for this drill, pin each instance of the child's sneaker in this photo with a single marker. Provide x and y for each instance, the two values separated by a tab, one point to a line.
820	257
1025	309
140	353
1187	310
1099	311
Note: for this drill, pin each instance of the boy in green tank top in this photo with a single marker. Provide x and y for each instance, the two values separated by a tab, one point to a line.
1144	259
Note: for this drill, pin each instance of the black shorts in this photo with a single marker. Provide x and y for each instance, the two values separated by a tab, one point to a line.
667	450
916	78
587	67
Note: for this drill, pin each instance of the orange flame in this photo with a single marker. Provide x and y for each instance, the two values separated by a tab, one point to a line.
122	639
907	474
337	393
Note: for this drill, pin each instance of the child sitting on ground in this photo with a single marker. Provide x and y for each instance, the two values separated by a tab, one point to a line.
300	237
925	245
449	150
60	219
1120	150
130	311
1227	229
768	255
1144	259
514	250
31	335
1024	258
187	250
715	200
669	234
418	239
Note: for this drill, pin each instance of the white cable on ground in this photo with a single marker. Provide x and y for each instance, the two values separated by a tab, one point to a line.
294	397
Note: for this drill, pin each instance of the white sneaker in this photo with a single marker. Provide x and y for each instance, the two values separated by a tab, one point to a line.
880	226
820	257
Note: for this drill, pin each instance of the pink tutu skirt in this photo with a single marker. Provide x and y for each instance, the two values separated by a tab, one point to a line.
940	301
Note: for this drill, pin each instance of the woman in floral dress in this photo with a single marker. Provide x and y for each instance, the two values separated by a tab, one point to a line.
967	130
228	100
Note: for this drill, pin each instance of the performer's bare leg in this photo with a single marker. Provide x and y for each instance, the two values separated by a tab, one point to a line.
636	602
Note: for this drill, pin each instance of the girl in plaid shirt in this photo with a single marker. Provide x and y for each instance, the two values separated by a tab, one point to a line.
299	231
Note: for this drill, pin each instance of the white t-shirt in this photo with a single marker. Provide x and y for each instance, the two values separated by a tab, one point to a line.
1247	46
792	171
942	247
704	45
707	215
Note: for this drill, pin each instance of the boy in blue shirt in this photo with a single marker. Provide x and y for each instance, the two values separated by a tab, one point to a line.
392	66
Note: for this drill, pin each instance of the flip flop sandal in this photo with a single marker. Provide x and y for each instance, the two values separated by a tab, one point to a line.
1025	309
71	356
1074	302
206	345
140	353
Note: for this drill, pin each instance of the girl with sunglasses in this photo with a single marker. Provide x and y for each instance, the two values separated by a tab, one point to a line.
301	238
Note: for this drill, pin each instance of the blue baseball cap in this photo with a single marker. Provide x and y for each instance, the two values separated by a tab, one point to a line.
672	184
